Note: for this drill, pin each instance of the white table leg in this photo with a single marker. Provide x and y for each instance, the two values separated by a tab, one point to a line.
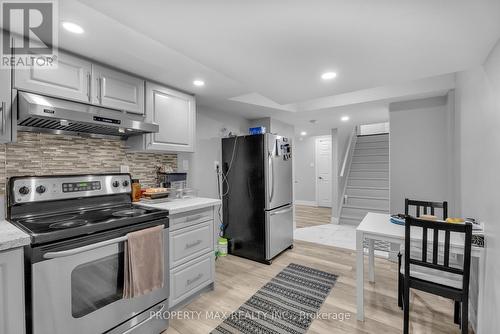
360	276
371	260
480	298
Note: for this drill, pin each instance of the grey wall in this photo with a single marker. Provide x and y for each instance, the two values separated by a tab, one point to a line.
305	169
419	151
209	131
477	105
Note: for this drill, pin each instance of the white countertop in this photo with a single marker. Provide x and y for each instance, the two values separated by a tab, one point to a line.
11	236
184	205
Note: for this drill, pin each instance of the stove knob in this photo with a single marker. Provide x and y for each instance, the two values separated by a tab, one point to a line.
115	184
41	189
125	183
24	190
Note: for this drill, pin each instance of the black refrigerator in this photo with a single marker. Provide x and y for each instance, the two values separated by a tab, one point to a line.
257	201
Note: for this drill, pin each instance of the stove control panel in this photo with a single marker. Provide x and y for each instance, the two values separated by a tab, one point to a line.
48	188
81	186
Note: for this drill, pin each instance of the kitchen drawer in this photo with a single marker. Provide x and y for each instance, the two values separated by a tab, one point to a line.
191	277
190	242
190	218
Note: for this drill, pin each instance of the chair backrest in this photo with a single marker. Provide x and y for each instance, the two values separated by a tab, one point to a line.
435	227
427	207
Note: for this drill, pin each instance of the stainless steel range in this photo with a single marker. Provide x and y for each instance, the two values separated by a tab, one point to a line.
74	265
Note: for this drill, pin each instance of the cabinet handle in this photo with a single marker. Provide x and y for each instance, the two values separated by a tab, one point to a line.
3	117
193	218
192	280
88	85
99	88
191	245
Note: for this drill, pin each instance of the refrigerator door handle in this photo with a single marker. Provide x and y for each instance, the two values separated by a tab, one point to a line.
271	173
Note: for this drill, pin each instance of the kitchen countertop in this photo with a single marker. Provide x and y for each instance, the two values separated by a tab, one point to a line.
11	236
184	205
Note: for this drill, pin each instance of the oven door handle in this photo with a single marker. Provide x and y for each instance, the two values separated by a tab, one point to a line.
69	252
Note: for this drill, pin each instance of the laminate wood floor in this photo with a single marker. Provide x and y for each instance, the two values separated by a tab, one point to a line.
237	279
306	216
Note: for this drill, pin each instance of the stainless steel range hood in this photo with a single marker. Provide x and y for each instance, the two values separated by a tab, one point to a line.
38	113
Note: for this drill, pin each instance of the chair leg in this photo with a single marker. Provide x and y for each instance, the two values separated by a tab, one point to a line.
456	314
400	291
400	283
465	316
406	310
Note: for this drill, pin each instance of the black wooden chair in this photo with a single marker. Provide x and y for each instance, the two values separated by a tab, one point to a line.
427	207
432	276
423	207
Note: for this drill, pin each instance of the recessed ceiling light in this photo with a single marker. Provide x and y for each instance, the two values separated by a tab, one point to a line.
328	75
303	133
199	83
344	118
72	27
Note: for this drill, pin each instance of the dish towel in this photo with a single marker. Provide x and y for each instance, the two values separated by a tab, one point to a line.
144	262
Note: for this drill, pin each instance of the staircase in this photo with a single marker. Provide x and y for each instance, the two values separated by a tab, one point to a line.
367	187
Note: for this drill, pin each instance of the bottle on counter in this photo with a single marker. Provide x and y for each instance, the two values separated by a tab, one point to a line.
136	190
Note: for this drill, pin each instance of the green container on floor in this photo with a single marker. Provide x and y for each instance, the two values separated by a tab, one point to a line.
222	246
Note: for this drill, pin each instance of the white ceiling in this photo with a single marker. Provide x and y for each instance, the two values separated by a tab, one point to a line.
265	57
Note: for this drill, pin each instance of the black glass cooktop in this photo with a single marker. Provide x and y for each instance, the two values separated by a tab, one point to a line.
47	228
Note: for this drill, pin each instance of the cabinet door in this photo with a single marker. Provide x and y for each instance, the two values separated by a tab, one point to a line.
117	90
175	114
70	80
5	105
12	291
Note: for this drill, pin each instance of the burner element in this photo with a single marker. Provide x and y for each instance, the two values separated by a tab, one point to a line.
68	223
129	213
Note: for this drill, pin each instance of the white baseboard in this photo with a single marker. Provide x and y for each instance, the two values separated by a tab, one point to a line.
307	203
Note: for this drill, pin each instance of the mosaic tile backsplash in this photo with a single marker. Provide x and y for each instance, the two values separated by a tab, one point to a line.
47	154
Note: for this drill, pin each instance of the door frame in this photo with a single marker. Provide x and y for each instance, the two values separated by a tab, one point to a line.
316	139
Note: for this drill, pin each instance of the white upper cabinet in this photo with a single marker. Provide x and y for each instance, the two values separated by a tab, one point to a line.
70	80
117	90
175	113
5	105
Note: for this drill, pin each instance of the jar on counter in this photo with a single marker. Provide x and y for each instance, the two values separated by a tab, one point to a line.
136	190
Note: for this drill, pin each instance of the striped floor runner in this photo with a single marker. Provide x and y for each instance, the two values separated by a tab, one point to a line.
287	304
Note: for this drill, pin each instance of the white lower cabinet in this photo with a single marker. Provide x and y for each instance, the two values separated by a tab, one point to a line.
191	255
12	318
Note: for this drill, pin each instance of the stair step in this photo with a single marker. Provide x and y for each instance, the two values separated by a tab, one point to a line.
347	220
371	155
369	173
360	212
373	138
368	201
373	150
367	191
357	165
368	182
371	158
367	145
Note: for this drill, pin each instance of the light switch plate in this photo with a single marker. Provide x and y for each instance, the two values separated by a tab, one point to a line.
124	169
185	165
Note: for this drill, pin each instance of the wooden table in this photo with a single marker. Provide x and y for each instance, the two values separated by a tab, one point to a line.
377	226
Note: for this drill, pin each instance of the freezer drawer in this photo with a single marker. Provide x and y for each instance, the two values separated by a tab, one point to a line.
279	230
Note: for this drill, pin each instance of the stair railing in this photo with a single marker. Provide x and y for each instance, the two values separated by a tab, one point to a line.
346	166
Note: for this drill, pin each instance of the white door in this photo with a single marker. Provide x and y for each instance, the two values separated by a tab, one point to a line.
324	171
71	79
118	90
175	114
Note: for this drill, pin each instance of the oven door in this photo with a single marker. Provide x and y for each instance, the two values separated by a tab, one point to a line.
79	290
